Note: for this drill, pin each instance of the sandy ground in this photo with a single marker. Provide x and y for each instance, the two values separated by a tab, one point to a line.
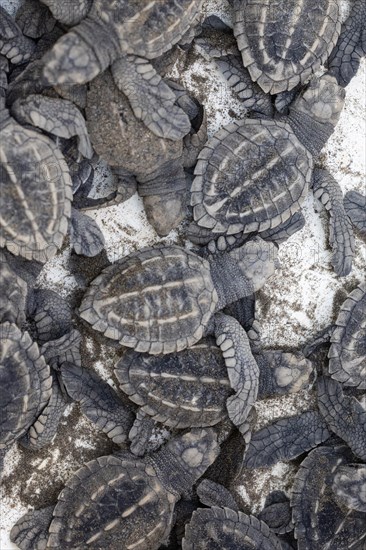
302	297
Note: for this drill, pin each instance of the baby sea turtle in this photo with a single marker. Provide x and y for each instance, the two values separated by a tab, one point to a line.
223	525
347	353
126	143
282	44
25	384
119	501
173	299
321	522
253	175
129	34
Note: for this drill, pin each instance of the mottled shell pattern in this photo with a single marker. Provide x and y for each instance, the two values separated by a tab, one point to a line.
250	176
283	42
157	300
182	390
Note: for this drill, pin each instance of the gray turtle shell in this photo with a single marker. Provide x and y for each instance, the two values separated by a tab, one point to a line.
226	529
250	176
25	383
113	503
157	300
36	192
182	390
347	353
283	43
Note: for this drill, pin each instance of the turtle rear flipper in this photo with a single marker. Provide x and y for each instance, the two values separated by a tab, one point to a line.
31	531
277	513
344	415
242	368
98	401
50	314
345	58
341	237
56	116
355	206
150	97
85	235
286	439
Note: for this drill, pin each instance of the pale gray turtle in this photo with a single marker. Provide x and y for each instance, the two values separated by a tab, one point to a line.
355	206
347	353
13	44
321	523
126	35
282	44
25	384
125	142
173	299
349	485
345	58
344	415
253	175
120	501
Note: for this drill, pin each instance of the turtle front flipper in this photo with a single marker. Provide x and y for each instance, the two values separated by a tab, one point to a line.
286	439
98	401
344	415
13	44
355	206
85	235
49	313
44	429
56	116
242	368
151	99
341	237
351	46
31	531
214	494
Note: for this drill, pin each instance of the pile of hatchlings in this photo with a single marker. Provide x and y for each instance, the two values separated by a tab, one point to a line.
84	81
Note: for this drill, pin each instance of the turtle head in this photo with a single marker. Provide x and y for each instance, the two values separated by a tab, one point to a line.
257	261
323	100
70	61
